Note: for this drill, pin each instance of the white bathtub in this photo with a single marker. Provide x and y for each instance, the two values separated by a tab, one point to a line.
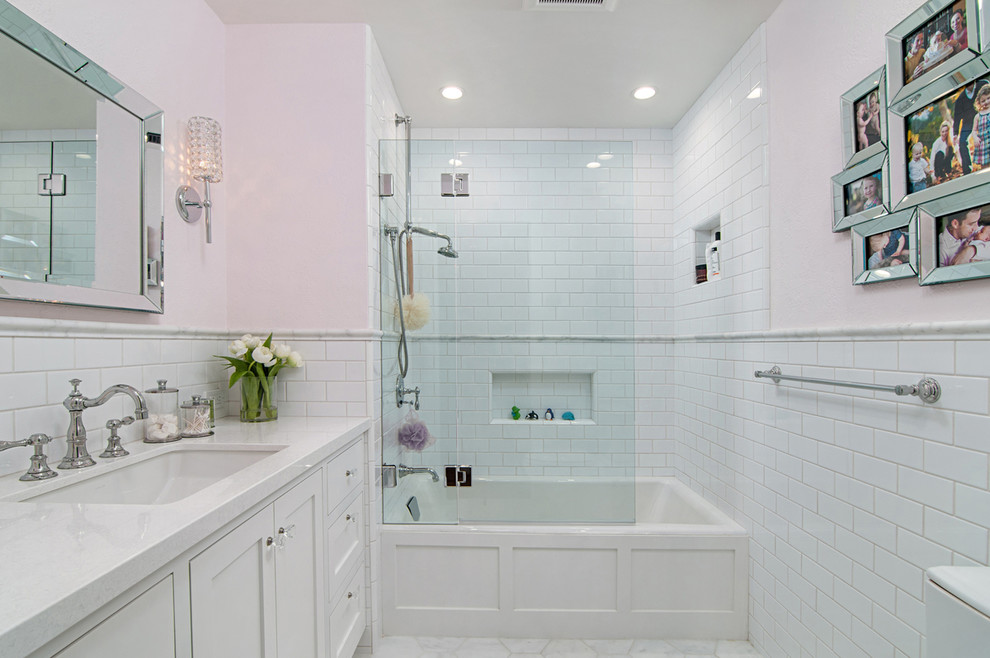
679	571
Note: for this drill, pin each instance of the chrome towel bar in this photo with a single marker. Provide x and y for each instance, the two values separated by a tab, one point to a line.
927	388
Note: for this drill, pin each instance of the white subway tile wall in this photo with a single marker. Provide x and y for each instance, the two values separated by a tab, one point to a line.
35	370
849	495
720	171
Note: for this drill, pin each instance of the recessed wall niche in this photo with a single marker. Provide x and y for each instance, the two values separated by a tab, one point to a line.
541	390
707	250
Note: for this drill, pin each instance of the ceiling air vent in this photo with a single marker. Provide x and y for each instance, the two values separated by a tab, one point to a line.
569	5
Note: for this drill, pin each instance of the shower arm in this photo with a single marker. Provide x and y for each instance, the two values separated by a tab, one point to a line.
432	234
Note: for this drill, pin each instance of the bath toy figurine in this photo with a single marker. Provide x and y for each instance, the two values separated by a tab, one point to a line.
549	414
515	413
567	415
532	415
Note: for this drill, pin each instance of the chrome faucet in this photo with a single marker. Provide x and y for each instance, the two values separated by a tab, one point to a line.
76	456
403	470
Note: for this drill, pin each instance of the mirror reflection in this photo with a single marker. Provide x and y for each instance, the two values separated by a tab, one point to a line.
80	177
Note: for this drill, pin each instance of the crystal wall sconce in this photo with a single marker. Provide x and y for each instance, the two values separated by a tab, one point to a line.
205	164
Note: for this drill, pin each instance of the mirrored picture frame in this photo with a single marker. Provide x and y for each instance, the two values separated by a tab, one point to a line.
962	217
903	86
862	139
885	248
974	72
849	210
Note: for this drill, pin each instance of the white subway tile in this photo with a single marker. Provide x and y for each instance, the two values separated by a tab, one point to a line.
38	354
956	534
967	466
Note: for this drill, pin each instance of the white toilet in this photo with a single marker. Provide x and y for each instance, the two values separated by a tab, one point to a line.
957	612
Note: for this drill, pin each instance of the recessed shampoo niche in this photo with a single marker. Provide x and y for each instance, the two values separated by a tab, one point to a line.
707	250
561	391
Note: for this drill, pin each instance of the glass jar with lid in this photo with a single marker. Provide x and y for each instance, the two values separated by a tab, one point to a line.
196	417
162	425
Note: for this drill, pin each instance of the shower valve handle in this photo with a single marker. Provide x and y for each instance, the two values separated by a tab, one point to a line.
400	394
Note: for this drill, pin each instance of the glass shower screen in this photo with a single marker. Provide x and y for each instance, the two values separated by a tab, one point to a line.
526	364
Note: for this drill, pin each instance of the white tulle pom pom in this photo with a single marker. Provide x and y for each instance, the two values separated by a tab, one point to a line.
415	311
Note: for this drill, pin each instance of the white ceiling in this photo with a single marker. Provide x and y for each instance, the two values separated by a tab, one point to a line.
536	69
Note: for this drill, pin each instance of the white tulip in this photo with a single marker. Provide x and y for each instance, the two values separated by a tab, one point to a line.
282	350
251	341
263	355
238	348
294	360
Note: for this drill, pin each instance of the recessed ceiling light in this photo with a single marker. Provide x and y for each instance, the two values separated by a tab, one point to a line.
642	93
452	93
593	165
605	156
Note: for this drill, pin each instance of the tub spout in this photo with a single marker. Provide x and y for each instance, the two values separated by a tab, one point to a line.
403	470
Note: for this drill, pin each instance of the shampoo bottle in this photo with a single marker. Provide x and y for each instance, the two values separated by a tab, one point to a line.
713	258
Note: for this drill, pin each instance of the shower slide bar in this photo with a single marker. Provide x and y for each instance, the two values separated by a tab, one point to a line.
927	388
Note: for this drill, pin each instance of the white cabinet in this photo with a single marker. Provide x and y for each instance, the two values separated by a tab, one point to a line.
283	580
256	591
143	627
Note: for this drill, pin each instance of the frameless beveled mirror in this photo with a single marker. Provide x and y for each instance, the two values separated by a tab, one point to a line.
81	177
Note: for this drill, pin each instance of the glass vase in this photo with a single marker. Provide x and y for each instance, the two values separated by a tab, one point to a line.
259	398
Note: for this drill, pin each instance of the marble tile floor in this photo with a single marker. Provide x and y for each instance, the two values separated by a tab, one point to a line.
459	647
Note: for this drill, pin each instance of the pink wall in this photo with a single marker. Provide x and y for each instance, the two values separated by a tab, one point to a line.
817	51
295	161
172	53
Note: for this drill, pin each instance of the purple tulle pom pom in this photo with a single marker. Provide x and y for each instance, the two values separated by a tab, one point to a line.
413	435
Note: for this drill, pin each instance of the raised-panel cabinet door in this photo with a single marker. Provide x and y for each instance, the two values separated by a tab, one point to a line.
299	571
232	585
144	627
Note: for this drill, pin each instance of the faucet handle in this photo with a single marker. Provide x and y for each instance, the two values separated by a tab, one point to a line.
39	439
75	386
39	469
114	449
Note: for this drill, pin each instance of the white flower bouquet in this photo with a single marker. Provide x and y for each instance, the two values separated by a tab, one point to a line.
255	364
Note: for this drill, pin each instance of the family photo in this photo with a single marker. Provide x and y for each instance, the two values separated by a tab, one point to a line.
867	120
888	249
949	138
936	41
863	194
964	237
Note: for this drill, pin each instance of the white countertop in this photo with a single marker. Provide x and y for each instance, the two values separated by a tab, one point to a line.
969	584
60	562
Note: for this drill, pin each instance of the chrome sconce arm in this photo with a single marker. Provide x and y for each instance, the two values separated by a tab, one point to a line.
205	164
191	205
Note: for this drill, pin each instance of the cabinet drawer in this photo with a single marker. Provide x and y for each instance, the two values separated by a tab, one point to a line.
348	619
345	473
345	542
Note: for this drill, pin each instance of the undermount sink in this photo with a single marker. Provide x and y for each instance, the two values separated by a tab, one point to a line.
155	479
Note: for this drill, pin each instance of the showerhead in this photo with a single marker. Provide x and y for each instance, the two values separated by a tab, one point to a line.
446	250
